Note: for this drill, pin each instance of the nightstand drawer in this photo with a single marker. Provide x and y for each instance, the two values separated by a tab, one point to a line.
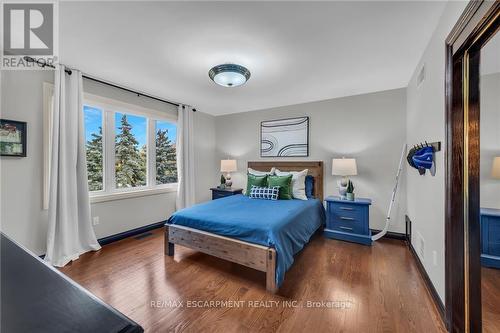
347	225
493	229
340	212
494	249
218	195
346	208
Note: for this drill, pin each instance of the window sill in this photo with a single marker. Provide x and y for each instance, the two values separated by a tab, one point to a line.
96	198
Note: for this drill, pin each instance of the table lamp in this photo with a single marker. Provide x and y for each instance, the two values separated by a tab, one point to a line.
495	169
228	166
345	167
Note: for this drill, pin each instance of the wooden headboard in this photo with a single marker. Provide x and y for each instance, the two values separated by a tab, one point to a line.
315	169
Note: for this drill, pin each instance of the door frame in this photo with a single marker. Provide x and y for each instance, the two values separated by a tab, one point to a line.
479	22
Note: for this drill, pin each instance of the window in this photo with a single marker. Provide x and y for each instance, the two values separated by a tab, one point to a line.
166	164
130	150
94	147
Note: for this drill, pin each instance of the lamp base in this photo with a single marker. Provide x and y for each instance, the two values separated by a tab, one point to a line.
342	184
229	182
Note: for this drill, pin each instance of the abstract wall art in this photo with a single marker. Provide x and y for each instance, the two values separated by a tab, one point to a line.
285	137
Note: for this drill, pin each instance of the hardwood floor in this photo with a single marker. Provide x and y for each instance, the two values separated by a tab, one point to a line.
369	289
490	294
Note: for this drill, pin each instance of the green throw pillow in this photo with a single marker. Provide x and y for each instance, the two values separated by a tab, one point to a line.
285	184
260	181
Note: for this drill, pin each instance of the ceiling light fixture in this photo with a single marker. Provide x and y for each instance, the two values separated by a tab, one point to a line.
229	75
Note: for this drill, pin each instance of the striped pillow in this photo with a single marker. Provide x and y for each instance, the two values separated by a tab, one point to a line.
267	193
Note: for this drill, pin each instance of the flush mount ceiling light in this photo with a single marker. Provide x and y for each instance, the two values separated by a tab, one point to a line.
229	75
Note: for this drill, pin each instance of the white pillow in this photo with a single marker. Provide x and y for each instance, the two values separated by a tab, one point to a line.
261	173
298	182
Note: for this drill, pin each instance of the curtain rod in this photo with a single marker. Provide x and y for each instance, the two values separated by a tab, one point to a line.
69	72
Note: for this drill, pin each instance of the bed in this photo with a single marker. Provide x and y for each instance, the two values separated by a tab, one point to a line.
261	234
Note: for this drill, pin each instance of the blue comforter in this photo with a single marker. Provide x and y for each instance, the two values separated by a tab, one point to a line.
285	225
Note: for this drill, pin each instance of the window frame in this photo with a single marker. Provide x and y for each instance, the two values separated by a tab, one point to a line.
109	107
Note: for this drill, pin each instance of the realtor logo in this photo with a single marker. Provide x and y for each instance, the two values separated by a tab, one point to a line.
28	29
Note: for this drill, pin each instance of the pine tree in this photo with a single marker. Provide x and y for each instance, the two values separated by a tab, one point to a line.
166	166
130	166
94	161
143	161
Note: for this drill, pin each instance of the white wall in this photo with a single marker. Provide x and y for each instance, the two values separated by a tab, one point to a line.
369	127
426	122
490	138
22	216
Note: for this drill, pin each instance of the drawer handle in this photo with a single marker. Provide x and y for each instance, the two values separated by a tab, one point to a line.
346	208
346	228
347	218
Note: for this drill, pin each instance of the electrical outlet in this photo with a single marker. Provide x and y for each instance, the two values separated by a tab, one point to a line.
95	220
435	258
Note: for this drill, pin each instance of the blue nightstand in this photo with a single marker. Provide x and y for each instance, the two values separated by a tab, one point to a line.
218	193
490	237
348	220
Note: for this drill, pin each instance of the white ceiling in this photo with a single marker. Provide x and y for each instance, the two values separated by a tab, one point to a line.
296	51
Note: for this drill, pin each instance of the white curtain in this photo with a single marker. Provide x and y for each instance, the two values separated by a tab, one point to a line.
185	157
70	231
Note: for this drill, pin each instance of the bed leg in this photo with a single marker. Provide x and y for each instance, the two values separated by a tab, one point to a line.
169	247
271	271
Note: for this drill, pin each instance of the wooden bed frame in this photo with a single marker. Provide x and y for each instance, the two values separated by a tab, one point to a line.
256	256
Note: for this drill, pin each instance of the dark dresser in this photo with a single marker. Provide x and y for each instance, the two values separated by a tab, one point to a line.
38	298
218	193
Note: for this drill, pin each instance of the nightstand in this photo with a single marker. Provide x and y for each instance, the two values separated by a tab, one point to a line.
218	193
348	220
490	237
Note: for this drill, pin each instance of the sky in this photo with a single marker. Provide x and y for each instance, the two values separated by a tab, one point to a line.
93	120
172	129
139	127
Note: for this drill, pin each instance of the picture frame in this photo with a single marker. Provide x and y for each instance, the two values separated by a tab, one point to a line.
288	137
13	138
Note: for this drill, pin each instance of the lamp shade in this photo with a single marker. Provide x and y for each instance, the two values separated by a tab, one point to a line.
228	165
495	170
344	167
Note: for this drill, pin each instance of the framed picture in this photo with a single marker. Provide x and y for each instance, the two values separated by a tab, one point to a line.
12	138
285	137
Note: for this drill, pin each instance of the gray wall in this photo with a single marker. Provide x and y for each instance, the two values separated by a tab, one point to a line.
490	138
426	122
22	216
369	127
